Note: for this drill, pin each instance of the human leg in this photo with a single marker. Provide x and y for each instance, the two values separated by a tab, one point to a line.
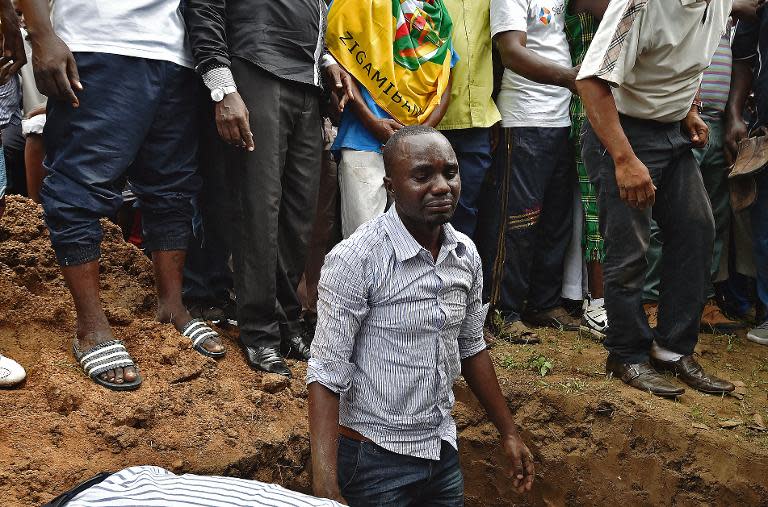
445	487
89	149
759	220
301	179
361	188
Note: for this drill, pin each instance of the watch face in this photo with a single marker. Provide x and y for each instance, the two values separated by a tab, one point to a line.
217	94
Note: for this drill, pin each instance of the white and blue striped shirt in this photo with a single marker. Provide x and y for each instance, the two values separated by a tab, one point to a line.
150	486
393	326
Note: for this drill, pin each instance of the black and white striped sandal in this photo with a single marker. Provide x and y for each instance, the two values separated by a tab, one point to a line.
103	357
198	331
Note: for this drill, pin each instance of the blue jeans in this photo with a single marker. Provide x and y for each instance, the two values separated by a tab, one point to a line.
372	476
138	120
3	180
759	219
473	151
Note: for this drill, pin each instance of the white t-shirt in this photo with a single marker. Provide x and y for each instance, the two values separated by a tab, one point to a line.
152	29
524	103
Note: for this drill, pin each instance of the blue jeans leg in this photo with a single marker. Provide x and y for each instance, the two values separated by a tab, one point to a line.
473	151
370	476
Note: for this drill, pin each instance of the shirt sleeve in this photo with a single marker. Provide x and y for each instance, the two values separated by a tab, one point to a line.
471	340
206	27
508	15
341	307
613	51
744	45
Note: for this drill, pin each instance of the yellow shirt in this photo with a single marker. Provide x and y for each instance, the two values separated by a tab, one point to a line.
471	103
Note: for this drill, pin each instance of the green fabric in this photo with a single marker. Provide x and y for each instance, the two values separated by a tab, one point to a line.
714	172
579	30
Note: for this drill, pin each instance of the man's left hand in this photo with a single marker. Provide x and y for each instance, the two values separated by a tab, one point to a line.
521	469
696	128
342	83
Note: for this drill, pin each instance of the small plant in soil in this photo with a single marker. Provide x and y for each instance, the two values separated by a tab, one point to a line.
540	364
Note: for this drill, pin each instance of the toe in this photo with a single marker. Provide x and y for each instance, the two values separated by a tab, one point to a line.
118	375
108	376
129	374
213	345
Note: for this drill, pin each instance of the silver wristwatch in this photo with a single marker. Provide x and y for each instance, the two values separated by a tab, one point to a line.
218	94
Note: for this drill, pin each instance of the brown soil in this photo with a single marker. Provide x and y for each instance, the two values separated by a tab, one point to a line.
595	440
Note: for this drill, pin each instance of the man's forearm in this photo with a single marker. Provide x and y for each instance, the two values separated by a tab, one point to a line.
604	117
480	376
323	437
741	84
518	58
37	16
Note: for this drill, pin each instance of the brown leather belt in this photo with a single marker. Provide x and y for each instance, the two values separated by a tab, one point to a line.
352	434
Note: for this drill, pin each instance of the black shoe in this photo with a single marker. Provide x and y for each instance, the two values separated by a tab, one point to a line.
295	347
642	376
308	325
689	371
266	359
205	311
230	313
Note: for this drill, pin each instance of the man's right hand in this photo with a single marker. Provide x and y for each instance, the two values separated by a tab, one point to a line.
735	131
384	128
233	121
55	69
636	187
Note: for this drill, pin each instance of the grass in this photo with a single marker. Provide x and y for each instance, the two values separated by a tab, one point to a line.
537	362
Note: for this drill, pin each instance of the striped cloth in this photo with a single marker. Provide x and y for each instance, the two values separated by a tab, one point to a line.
149	486
393	325
580	30
716	83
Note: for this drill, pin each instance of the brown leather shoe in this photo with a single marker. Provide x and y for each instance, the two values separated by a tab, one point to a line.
557	317
713	320
642	376
652	312
689	371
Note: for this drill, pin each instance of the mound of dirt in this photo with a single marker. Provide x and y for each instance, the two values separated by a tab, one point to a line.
595	440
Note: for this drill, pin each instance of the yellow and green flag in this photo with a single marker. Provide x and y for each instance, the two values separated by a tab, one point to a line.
399	50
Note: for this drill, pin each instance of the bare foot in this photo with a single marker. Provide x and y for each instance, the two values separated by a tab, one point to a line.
180	317
87	341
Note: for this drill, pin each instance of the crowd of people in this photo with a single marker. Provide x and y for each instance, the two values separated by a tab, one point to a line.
365	185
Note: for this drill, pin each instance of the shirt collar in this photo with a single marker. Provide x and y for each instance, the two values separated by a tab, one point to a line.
405	245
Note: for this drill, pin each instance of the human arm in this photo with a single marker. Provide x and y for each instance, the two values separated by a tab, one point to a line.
632	177
13	44
481	378
324	437
436	116
54	65
207	30
381	128
342	306
518	58
478	371
746	10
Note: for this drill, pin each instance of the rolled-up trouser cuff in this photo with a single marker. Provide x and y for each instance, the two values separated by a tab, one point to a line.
76	255
167	243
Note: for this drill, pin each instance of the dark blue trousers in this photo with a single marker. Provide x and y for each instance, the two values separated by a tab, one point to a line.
137	120
473	151
525	226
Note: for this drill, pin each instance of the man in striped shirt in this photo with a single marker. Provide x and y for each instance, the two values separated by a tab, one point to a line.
399	317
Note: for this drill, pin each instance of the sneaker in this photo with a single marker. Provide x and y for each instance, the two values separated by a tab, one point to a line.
713	320
11	372
652	312
759	334
594	319
557	318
